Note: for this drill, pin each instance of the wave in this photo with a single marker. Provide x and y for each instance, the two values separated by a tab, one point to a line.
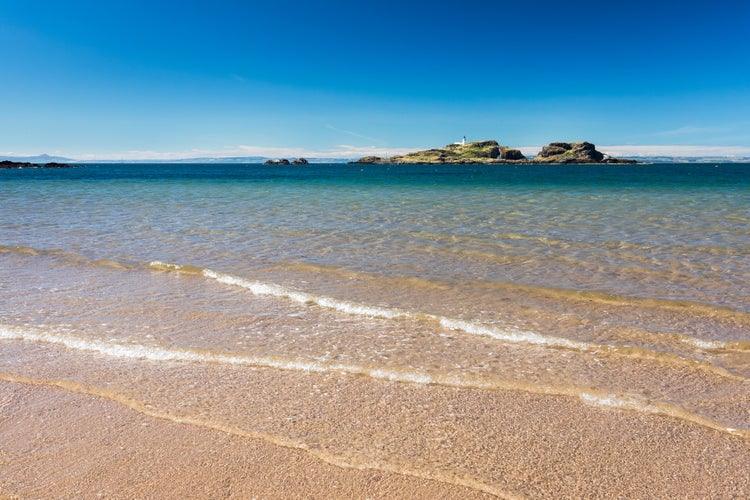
504	334
394	374
572	296
575	296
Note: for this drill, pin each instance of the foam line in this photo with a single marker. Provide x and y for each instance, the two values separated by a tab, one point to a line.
404	375
506	334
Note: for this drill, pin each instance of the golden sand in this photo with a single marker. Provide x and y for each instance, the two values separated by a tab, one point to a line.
293	435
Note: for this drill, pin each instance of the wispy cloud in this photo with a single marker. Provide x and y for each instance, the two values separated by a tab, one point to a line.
354	134
343	151
690	130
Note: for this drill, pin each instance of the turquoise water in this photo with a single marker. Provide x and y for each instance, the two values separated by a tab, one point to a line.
659	231
623	287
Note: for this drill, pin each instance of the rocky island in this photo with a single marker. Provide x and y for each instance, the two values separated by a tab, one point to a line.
21	164
490	152
284	161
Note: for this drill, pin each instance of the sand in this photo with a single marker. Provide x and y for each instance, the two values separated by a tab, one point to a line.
364	439
61	444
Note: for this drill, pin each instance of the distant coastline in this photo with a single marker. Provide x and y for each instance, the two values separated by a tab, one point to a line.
42	160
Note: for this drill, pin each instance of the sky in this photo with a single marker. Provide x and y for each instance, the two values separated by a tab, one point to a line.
134	79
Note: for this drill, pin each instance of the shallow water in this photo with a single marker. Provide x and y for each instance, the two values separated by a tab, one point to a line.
622	288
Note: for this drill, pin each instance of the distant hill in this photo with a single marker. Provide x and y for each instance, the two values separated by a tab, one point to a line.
44	158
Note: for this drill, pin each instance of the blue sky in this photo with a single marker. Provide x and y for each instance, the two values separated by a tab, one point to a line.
132	79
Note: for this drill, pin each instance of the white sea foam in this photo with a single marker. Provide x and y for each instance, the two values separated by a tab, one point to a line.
259	288
165	265
705	344
512	335
154	353
505	334
616	401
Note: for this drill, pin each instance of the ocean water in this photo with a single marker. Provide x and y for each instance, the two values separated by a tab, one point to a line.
625	288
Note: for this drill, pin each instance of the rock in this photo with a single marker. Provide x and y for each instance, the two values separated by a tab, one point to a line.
17	164
300	161
282	161
512	154
370	159
54	164
490	152
482	144
553	150
569	152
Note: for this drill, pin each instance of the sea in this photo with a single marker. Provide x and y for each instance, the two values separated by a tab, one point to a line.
245	297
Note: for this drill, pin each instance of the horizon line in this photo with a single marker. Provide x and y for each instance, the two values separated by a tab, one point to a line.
346	152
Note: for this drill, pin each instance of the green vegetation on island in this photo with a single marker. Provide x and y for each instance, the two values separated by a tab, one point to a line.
490	152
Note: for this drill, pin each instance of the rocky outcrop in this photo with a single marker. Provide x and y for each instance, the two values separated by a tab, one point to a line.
569	152
574	152
284	161
371	159
492	152
473	152
17	164
512	154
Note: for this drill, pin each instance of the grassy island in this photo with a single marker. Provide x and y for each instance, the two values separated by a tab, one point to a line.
491	152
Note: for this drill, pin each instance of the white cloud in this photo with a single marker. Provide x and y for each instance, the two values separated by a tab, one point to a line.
343	152
346	151
675	150
659	150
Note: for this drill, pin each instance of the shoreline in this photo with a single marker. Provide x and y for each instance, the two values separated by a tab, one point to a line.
77	427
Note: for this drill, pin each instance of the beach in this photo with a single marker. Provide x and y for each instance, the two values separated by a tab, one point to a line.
334	331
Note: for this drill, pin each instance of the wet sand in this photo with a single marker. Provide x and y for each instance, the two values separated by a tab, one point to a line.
232	331
179	431
62	444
